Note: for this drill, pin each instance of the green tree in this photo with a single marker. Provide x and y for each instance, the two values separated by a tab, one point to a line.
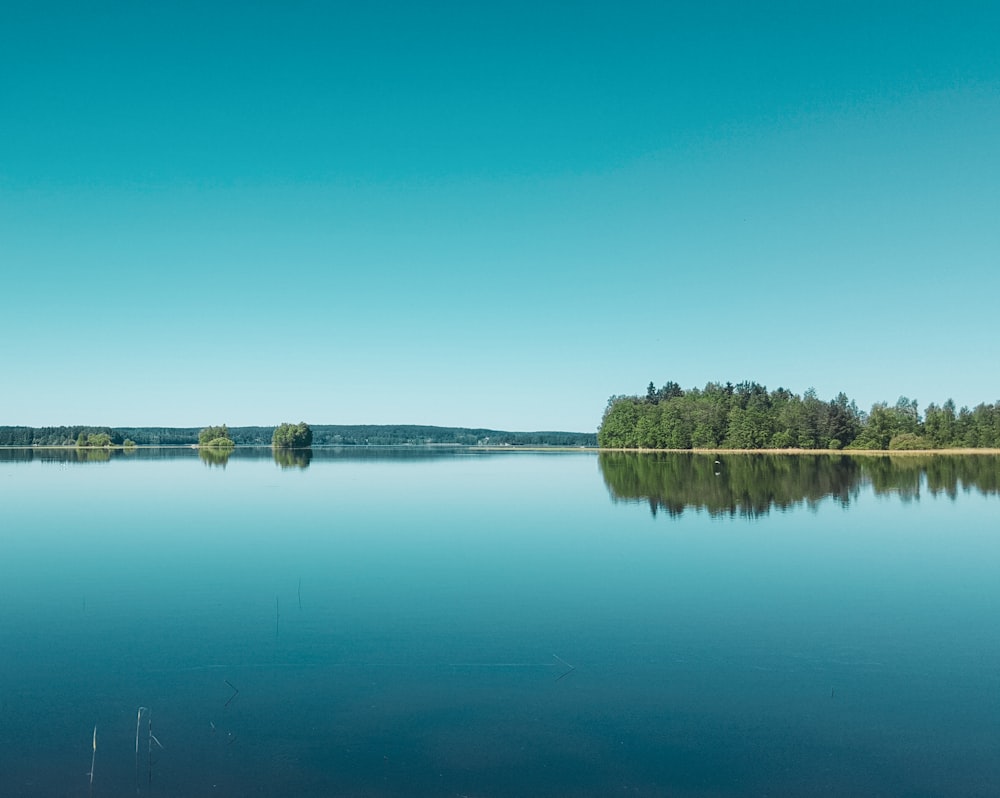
904	441
906	416
647	428
617	430
217	437
816	431
292	436
712	416
750	421
791	422
675	425
878	429
939	424
843	421
670	390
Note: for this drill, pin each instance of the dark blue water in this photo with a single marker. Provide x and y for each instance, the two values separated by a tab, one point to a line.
511	624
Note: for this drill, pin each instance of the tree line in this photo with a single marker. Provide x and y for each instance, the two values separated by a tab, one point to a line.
62	436
322	435
748	416
421	435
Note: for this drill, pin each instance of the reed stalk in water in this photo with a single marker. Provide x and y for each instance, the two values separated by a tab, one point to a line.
149	750
150	739
93	758
138	720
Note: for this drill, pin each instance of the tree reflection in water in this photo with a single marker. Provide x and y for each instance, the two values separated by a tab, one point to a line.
751	485
293	458
215	456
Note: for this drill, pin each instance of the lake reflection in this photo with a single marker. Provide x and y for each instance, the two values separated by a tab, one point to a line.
424	622
753	484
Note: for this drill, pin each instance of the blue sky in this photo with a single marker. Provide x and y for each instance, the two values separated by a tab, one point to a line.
470	215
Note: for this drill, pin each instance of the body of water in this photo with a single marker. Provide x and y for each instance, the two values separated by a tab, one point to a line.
424	622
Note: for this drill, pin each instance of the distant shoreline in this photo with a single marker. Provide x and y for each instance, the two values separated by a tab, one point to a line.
322	435
862	452
535	448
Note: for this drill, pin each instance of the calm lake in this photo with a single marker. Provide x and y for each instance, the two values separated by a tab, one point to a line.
423	622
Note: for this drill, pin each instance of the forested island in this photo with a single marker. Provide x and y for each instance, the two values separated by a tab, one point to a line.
748	416
216	438
322	435
292	436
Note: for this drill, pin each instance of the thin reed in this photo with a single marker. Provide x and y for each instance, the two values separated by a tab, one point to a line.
93	758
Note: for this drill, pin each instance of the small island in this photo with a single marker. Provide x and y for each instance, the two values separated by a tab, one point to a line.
292	436
216	438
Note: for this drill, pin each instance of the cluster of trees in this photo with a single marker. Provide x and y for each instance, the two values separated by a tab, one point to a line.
216	438
292	436
748	416
100	440
59	436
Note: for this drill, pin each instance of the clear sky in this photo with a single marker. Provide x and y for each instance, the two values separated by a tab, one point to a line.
496	215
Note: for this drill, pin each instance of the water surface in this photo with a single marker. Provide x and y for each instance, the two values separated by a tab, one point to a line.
440	623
